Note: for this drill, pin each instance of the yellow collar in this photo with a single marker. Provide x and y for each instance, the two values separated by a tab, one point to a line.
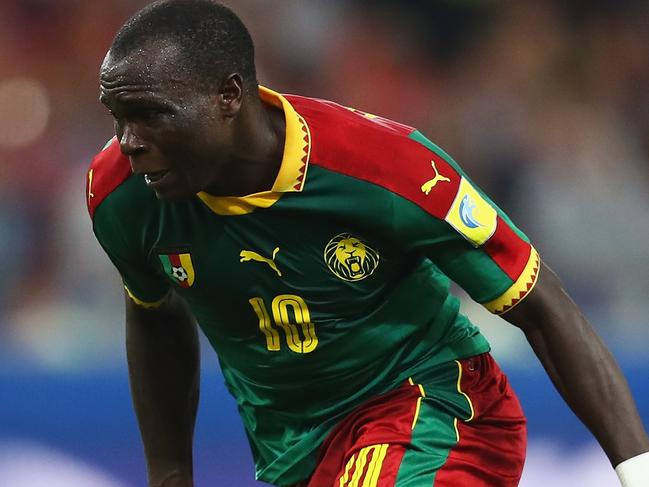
292	171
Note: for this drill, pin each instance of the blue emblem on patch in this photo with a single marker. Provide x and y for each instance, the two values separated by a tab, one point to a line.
466	212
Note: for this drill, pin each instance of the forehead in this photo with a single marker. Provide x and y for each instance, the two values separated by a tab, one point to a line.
152	67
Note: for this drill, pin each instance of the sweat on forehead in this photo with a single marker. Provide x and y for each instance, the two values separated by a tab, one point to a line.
151	62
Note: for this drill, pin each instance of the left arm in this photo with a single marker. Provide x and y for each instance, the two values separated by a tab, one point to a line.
581	367
476	245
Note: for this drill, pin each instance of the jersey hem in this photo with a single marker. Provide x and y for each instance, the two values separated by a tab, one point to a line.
147	304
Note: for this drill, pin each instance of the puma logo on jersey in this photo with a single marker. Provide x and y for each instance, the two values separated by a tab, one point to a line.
429	185
249	255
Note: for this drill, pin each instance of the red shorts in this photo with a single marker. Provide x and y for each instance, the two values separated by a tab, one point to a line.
459	425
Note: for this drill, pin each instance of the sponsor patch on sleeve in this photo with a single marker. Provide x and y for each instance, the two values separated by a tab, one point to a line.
471	215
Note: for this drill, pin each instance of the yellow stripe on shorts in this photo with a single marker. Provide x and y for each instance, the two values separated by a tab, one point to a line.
422	394
348	467
468	399
376	464
371	469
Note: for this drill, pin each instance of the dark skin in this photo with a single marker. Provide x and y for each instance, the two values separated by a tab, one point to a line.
188	137
223	140
581	367
164	370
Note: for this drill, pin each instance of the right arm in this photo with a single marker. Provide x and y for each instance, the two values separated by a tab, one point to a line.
163	361
161	336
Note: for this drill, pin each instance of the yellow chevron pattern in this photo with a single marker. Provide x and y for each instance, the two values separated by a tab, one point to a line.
521	288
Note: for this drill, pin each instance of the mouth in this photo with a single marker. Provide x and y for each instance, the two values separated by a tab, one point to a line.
151	178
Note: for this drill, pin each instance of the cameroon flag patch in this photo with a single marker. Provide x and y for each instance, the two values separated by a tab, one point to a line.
179	268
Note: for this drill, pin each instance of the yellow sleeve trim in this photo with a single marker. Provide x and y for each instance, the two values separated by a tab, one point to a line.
146	304
520	289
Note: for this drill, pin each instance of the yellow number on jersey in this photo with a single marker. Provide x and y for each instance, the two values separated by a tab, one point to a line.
291	314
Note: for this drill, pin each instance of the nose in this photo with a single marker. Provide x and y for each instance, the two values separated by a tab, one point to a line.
130	143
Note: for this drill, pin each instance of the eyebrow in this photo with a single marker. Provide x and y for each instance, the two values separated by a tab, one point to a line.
133	107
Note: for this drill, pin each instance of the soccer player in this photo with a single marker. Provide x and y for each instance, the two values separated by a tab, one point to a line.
314	245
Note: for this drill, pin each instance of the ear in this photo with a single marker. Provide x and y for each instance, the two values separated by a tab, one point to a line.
230	95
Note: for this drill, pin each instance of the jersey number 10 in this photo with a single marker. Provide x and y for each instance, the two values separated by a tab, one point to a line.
291	314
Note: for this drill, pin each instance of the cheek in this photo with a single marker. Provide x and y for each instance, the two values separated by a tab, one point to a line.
192	175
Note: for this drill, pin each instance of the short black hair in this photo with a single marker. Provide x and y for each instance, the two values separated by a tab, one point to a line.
213	41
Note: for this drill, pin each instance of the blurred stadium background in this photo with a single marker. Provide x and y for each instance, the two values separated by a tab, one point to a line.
545	104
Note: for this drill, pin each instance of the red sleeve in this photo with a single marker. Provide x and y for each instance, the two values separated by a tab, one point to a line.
107	171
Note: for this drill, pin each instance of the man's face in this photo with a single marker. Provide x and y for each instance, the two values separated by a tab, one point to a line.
168	124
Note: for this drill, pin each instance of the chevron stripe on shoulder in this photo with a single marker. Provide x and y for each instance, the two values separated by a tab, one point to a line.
107	171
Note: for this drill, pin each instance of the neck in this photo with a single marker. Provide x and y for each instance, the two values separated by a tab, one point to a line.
258	151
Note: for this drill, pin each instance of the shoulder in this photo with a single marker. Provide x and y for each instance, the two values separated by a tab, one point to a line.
122	209
325	113
111	185
108	170
380	151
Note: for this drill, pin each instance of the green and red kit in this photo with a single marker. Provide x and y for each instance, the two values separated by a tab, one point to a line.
328	289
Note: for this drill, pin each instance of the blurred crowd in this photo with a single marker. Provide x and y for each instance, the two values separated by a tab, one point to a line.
545	104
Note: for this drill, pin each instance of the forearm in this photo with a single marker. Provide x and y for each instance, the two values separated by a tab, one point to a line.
593	386
583	370
163	359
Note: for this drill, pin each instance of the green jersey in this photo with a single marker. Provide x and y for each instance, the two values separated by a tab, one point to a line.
328	289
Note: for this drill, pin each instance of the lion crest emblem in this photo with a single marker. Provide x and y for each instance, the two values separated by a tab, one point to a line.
349	258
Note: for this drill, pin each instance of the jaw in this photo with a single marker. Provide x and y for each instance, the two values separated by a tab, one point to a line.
169	185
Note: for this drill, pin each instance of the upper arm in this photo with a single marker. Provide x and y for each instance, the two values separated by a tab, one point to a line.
160	333
172	311
547	304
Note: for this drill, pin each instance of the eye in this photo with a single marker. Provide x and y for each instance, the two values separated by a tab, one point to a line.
152	116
